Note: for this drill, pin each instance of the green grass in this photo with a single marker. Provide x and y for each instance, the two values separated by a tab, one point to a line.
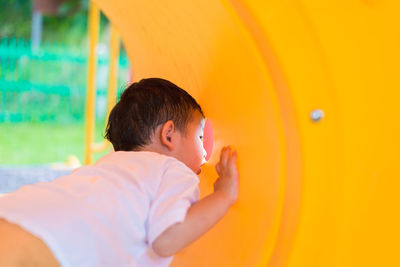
37	143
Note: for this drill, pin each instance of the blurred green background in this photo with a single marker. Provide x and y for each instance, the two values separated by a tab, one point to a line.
43	72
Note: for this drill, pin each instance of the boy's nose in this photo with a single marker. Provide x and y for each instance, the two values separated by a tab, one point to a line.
204	156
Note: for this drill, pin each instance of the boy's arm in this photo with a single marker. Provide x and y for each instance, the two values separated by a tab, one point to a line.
205	213
201	216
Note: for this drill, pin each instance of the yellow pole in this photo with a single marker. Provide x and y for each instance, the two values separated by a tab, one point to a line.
112	84
113	76
94	19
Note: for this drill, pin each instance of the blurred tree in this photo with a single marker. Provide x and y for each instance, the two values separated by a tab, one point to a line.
67	25
15	18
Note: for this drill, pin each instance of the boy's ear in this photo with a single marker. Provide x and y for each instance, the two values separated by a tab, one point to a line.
167	133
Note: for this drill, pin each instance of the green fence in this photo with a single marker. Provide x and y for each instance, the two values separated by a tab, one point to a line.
49	85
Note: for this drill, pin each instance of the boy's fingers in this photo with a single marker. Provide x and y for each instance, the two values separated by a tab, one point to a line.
225	155
221	154
234	156
232	159
231	155
217	167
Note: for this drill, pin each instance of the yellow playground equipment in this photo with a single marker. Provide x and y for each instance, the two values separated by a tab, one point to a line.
307	91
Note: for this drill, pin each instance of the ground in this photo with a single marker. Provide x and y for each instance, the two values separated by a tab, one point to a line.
36	152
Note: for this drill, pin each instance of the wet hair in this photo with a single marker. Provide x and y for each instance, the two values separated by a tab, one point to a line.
143	106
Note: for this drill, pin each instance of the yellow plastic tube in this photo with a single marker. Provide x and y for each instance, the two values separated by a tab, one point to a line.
94	20
94	24
307	92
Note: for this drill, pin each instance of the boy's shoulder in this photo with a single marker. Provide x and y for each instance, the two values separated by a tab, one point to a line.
142	158
145	167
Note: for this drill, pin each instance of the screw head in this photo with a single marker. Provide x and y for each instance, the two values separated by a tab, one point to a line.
317	115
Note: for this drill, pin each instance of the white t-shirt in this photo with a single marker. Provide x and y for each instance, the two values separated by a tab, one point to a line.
107	214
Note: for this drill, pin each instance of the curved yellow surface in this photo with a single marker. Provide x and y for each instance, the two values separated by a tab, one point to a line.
312	193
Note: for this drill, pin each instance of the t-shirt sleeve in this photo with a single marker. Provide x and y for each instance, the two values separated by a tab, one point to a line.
178	190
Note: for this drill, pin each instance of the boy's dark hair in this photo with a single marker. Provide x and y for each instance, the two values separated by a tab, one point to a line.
143	106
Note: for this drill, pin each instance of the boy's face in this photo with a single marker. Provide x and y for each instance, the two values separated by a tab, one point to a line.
190	148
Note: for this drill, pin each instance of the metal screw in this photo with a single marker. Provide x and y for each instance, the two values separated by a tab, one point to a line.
317	115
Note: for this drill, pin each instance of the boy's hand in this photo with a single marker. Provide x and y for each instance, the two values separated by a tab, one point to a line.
206	212
228	180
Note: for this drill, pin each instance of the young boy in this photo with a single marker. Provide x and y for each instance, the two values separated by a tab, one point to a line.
137	206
